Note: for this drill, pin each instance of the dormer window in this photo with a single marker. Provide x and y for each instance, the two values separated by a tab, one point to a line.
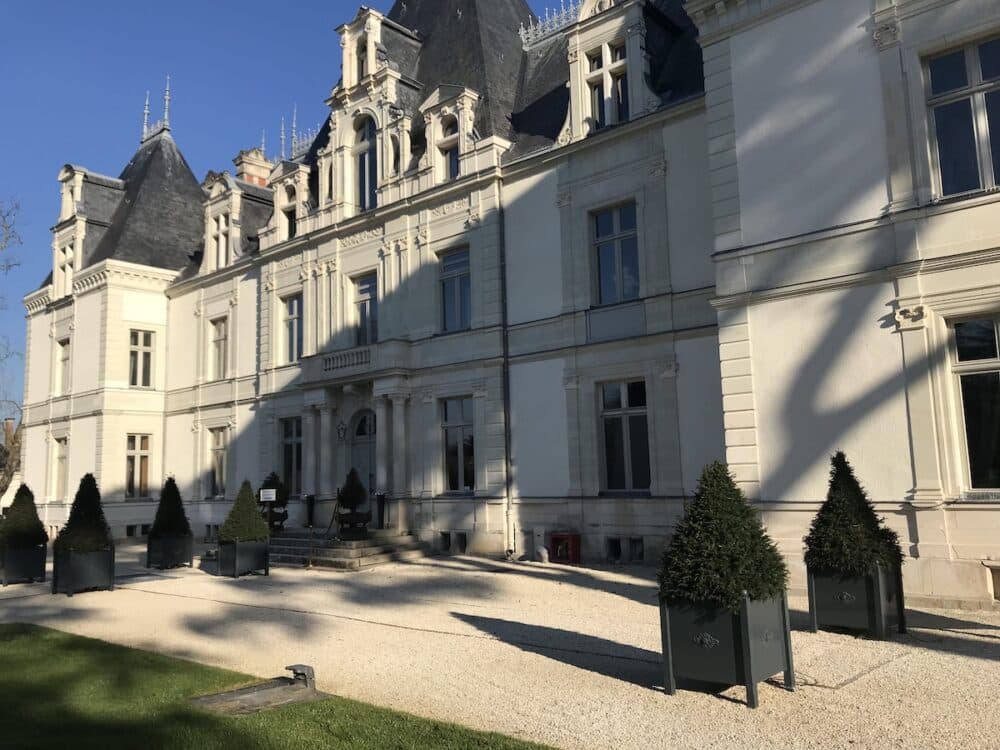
64	271
367	163
607	84
290	216
396	156
68	201
448	146
362	59
220	240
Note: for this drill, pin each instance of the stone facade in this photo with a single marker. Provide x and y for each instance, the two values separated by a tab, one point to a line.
532	308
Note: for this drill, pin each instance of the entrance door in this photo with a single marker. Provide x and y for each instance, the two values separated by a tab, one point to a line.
363	453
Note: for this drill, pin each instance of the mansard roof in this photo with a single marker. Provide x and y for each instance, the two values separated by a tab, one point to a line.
159	221
475	44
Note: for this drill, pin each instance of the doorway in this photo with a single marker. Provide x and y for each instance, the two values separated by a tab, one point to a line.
363	453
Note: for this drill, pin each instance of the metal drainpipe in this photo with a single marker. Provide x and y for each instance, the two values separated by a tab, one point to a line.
508	476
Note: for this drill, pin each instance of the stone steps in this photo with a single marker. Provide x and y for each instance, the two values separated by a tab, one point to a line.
347	563
295	548
342	552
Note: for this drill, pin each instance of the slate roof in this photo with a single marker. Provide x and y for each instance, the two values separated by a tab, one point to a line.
159	221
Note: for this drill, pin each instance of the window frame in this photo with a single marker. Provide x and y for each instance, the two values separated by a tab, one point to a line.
624	413
365	155
64	366
60	461
144	368
957	371
616	237
293	335
467	429
137	456
974	91
221	239
604	67
371	301
446	276
218	446
291	440
217	357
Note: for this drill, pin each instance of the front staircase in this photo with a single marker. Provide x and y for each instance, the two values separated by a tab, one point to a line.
295	548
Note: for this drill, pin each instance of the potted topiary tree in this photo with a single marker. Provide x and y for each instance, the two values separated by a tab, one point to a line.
23	540
723	607
853	562
243	538
353	524
276	513
170	543
83	553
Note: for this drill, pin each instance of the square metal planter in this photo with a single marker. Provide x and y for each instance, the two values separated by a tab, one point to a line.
707	643
24	564
871	603
73	572
239	558
170	552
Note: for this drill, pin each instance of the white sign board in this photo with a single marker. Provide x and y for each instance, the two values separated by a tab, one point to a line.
268	496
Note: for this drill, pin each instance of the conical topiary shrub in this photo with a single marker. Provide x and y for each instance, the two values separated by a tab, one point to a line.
22	528
721	549
846	537
353	493
170	521
722	584
86	529
244	522
853	561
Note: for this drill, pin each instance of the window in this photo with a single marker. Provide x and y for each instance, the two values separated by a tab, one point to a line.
293	328
61	468
626	436
362	58
220	239
964	100
607	76
137	466
978	368
292	223
616	246
217	448
367	161
291	451
290	214
456	296
220	348
459	445
366	301
396	156
140	359
449	149
64	271
62	367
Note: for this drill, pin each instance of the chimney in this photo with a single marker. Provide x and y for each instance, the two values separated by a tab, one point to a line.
8	430
253	167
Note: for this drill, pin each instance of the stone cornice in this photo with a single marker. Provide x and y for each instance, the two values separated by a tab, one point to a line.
38	300
717	19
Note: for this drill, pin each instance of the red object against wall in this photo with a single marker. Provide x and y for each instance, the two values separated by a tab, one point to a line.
565	548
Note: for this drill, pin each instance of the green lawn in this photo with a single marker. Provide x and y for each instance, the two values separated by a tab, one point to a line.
66	692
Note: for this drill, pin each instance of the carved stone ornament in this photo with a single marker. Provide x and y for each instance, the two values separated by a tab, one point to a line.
910	317
886	35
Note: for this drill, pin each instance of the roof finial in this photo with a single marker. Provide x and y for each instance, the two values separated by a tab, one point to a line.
282	137
295	129
145	118
166	105
263	142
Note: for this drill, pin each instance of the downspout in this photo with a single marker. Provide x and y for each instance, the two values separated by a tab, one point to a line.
508	474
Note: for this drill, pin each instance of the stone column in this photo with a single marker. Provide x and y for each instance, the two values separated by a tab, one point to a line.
309	451
400	485
381	443
327	443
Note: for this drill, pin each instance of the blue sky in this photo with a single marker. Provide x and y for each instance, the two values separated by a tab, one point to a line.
73	76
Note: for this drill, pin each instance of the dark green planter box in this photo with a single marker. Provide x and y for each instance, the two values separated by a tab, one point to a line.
239	558
706	643
170	552
872	603
73	572
23	565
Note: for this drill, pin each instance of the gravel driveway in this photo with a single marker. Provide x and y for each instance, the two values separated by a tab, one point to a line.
559	655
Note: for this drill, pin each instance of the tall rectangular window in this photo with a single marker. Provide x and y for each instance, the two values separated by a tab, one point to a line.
626	436
137	466
220	238
978	368
293	328
456	295
366	302
291	221
217	449
140	359
619	88
220	348
963	90
62	367
606	76
616	247
597	114
459	445
61	478
291	451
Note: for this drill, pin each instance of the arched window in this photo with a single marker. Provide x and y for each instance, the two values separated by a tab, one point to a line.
449	149
367	156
